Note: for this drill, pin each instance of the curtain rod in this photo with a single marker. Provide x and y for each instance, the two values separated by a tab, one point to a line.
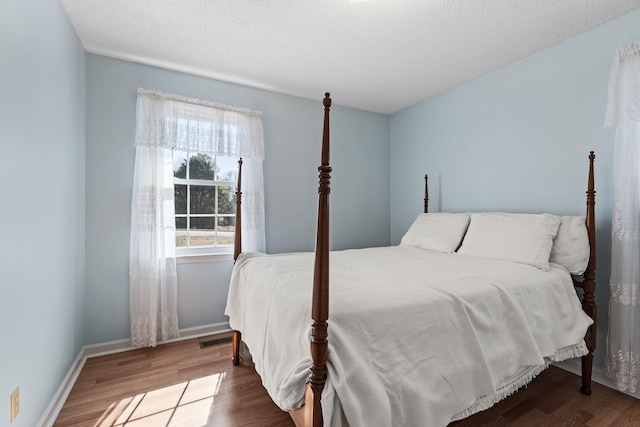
198	102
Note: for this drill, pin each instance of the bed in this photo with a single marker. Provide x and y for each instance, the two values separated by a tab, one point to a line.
446	324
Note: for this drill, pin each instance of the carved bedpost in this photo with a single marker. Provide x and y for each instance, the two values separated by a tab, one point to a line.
426	193
237	244
589	284
236	337
320	304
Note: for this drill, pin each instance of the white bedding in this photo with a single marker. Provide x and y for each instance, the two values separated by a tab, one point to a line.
416	338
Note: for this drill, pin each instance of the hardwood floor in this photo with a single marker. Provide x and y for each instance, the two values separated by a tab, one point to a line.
181	384
177	384
554	399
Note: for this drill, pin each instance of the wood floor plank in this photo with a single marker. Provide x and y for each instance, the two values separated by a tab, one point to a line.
629	418
607	406
182	384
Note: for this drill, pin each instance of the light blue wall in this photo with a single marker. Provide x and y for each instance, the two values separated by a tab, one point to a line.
42	199
517	140
293	129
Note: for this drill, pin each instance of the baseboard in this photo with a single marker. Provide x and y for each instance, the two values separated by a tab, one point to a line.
52	411
118	346
111	347
575	367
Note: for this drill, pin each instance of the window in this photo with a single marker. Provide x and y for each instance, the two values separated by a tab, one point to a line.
185	159
187	153
205	202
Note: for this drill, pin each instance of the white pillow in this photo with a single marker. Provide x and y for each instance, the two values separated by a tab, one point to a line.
523	238
441	232
571	246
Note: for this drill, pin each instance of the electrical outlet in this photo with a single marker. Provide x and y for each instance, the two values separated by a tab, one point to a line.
15	403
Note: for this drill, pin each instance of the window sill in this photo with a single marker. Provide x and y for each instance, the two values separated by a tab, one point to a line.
198	258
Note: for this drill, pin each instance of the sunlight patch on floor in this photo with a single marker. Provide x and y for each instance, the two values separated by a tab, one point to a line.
186	404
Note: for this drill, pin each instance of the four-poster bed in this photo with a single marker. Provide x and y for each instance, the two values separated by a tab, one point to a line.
480	301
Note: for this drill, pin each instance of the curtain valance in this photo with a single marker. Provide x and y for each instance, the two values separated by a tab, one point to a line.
623	104
185	124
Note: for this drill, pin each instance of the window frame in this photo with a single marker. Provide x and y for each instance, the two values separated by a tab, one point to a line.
190	254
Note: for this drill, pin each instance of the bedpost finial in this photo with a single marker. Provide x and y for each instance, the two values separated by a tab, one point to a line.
327	100
592	155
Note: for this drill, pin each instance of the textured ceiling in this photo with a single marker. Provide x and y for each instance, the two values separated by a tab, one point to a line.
376	55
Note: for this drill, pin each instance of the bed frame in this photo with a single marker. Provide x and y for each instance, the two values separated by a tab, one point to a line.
310	415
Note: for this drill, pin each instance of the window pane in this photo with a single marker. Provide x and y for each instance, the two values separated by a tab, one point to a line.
203	199
202	231
201	166
210	209
180	195
226	200
226	230
181	232
227	168
179	164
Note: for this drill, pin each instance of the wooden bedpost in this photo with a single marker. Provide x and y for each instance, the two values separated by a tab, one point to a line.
237	244
320	304
236	337
589	283
426	193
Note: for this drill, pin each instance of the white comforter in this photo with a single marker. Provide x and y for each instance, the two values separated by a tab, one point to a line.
416	338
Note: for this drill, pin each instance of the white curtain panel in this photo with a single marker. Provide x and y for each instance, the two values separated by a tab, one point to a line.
253	234
153	290
622	362
165	123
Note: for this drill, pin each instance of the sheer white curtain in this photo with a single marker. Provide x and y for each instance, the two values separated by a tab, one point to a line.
622	362
165	123
152	269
